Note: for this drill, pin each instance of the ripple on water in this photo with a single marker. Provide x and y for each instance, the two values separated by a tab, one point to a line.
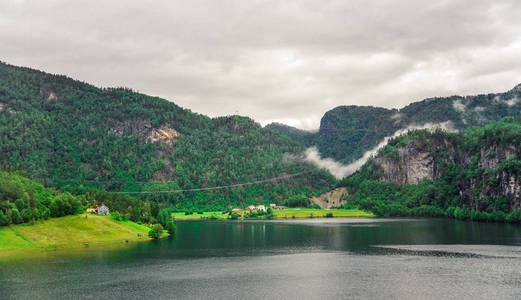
492	251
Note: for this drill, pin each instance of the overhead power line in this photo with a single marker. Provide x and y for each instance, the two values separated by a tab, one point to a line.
217	187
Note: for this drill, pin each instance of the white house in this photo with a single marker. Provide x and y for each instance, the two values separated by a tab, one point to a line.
103	210
273	205
261	207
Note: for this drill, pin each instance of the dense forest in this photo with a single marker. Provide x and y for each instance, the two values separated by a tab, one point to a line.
347	132
473	174
23	200
67	134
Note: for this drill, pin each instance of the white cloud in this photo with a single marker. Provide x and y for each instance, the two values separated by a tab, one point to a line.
340	170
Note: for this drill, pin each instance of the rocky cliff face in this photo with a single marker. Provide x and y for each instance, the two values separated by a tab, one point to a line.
143	129
410	166
484	173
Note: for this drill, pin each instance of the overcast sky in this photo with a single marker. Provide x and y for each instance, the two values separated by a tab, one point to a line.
285	61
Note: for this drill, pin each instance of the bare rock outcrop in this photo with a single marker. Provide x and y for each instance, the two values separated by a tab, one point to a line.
49	94
4	107
409	166
331	199
164	135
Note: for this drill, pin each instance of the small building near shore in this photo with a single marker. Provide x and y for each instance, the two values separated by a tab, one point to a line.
103	210
91	210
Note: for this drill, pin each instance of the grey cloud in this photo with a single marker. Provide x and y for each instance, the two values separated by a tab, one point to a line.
289	61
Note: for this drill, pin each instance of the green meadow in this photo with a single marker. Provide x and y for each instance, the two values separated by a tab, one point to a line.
302	213
70	232
215	215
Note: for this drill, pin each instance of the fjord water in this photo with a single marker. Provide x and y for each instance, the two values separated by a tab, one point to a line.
293	259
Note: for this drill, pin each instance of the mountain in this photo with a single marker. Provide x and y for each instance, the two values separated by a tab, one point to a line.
65	133
347	132
472	174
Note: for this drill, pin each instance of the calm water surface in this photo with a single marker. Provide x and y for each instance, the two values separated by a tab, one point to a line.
297	259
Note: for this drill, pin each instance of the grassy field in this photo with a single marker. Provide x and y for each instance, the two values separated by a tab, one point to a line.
195	216
319	213
70	232
281	214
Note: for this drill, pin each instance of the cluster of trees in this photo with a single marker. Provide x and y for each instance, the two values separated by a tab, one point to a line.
462	190
300	200
165	222
65	133
23	200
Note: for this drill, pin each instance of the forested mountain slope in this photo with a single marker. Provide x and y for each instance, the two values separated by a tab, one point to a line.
470	174
346	132
63	132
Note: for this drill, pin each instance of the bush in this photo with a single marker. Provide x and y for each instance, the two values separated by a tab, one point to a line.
171	228
235	216
15	216
163	217
27	214
499	216
4	221
329	215
461	213
116	216
427	211
20	204
450	211
156	231
514	216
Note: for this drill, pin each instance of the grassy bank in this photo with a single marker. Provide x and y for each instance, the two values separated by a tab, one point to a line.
300	213
69	232
216	215
319	213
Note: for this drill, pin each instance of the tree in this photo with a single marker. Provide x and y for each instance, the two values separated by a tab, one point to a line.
171	227
156	231
163	217
4	221
15	216
27	214
20	204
